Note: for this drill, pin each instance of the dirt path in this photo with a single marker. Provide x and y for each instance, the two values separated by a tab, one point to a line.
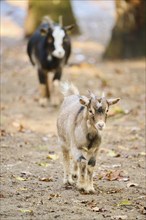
31	165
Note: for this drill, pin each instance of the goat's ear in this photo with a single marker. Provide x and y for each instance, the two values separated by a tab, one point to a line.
113	101
84	100
69	27
43	31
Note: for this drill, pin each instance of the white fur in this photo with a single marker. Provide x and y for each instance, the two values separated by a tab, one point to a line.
58	35
69	89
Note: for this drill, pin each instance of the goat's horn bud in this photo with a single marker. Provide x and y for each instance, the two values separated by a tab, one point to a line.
91	94
103	95
61	21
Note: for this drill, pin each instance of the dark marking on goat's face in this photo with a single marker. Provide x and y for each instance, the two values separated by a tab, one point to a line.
97	111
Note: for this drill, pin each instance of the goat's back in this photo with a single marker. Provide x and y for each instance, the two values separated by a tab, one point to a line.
68	111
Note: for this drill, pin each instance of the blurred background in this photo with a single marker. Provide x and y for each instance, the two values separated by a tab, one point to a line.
117	26
108	54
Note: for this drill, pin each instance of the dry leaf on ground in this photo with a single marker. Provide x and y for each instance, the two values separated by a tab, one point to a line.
46	179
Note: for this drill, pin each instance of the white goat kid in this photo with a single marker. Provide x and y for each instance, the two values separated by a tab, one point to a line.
79	122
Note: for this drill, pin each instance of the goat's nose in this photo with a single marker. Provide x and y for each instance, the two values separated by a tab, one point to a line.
100	125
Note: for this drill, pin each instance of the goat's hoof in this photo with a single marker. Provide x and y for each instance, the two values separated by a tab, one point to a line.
68	182
55	101
90	190
81	186
43	102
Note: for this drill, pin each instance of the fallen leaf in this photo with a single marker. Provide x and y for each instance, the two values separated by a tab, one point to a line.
112	153
3	133
142	153
20	178
45	139
118	71
52	156
23	189
26	211
124	203
117	111
109	166
19	126
112	175
97	209
92	204
2	196
119	217
84	201
57	195
131	184
44	179
42	164
123	148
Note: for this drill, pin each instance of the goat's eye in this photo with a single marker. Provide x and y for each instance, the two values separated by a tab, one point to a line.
90	111
106	110
50	40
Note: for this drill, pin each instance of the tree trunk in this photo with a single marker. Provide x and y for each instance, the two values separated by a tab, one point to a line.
37	9
129	33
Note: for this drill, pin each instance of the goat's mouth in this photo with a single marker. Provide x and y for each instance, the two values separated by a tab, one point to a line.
99	127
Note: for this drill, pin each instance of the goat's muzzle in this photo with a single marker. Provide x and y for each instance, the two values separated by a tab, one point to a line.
100	125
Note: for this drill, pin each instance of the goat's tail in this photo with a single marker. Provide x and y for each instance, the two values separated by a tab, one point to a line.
68	89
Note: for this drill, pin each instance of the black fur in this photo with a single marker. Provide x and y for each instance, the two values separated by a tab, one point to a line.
92	162
91	139
39	47
81	158
79	111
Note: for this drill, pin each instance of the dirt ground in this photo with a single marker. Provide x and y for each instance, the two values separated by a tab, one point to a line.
31	162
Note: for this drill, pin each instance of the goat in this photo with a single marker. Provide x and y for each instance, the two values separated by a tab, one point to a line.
49	49
79	124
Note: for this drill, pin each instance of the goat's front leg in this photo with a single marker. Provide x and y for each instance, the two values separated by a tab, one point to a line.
90	169
81	167
82	173
66	162
55	99
44	87
74	169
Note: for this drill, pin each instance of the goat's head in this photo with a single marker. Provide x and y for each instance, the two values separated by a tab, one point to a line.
97	109
56	38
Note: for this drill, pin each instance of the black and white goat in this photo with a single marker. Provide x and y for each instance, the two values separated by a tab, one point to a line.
79	124
49	49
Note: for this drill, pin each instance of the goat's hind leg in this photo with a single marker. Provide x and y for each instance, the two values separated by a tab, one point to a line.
67	163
